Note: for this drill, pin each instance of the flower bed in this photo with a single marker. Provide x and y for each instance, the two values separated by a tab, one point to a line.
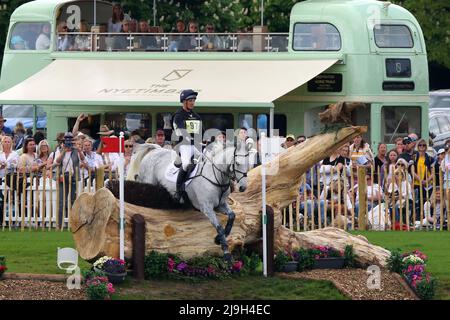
114	269
412	266
3	266
163	265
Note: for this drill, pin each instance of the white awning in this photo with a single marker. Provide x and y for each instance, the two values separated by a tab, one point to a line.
159	82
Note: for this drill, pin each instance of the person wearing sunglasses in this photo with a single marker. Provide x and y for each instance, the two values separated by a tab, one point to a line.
63	37
210	41
422	172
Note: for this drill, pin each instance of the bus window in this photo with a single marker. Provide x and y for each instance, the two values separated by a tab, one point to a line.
392	36
138	122
316	37
30	36
280	123
245	120
398	122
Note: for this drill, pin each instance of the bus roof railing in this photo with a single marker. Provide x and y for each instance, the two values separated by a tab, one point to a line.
172	42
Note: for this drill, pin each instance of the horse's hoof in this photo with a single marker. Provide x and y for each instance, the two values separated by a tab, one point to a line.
217	240
228	257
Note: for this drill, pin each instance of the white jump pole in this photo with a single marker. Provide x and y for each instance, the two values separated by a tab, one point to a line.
263	193
121	196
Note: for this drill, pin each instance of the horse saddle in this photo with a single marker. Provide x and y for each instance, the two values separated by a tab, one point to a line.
172	172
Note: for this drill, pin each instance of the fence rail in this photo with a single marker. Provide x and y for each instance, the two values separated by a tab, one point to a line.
360	199
41	200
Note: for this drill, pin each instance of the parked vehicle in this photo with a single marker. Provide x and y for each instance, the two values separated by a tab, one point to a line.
439	117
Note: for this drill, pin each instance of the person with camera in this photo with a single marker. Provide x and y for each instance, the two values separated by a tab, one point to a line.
410	143
69	159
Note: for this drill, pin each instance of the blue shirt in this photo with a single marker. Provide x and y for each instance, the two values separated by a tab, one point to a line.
7	130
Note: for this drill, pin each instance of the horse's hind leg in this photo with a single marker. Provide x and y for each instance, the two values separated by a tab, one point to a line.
220	234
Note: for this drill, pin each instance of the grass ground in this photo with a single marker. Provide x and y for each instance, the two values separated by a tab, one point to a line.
436	245
36	252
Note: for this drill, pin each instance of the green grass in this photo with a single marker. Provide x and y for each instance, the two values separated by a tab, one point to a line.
236	288
35	251
436	245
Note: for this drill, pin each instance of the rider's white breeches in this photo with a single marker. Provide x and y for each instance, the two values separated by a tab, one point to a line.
186	153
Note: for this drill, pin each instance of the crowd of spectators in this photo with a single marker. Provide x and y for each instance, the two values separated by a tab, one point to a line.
410	176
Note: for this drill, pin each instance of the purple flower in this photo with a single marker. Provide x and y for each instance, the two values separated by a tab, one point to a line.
181	266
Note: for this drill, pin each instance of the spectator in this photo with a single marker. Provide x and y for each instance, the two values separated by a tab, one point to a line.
9	159
136	136
69	159
336	198
127	154
160	139
301	139
175	41
289	142
81	117
133	26
422	170
27	161
104	132
147	42
83	42
432	210
399	189
190	42
312	204
373	192
389	166
217	144
336	164
28	133
4	129
409	152
399	146
122	42
93	160
360	148
115	22
210	41
244	41
43	40
18	43
437	165
43	154
19	135
380	159
63	38
38	136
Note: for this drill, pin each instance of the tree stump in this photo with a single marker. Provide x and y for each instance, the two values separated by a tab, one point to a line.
94	219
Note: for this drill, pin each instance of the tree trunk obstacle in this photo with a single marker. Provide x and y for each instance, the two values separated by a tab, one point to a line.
95	216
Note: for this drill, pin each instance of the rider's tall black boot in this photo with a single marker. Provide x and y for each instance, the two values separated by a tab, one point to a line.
180	184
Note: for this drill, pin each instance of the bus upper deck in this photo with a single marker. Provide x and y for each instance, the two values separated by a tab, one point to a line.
360	50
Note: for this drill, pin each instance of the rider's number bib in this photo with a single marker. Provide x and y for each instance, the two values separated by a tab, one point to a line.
193	126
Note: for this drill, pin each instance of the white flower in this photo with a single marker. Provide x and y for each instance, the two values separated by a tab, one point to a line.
99	263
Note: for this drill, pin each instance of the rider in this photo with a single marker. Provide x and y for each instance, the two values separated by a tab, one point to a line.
187	125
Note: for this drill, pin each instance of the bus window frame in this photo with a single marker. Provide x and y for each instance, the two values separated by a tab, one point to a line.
393	25
318	23
417	47
31	51
382	121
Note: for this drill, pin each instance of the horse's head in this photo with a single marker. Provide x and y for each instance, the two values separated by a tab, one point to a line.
241	163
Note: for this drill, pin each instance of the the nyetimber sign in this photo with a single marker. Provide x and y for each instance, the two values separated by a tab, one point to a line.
176	75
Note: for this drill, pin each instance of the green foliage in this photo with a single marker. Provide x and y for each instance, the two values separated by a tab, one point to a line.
251	263
426	289
281	258
91	273
349	257
97	292
155	265
305	259
395	261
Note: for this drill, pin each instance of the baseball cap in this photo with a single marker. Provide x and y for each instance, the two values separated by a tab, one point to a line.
160	132
290	136
188	94
441	151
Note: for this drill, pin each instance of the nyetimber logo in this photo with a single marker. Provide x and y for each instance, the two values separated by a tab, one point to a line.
177	74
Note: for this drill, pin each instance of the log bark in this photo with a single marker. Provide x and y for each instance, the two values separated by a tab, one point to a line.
95	217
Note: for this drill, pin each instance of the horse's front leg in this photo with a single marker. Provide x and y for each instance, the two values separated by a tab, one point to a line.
220	233
224	207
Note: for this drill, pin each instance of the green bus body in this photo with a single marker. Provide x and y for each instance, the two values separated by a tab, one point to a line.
392	102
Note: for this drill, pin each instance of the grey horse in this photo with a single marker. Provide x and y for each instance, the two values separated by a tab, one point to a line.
210	186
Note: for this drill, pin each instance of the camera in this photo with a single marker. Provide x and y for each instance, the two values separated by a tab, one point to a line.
407	140
68	144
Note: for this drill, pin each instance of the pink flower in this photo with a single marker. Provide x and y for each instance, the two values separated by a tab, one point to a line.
210	269
237	265
111	288
170	264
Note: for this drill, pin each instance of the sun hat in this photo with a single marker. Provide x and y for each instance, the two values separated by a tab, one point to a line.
290	136
104	131
441	151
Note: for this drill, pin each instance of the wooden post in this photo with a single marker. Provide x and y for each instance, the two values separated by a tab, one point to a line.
44	198
51	200
373	191
443	202
434	199
386	197
138	225
297	212
312	198
4	203
332	196
362	189
339	199
407	203
325	192
352	186
58	177
414	200
270	241
318	198
24	200
99	178
305	207
400	185
379	190
64	202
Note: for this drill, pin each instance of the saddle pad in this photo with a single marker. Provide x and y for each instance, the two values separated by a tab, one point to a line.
172	173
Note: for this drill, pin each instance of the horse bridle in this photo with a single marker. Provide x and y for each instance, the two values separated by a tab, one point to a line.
234	170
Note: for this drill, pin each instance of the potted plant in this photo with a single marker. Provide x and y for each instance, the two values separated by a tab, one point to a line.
115	269
3	267
327	258
416	277
286	261
99	288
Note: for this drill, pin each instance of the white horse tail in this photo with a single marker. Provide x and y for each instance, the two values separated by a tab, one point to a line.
141	150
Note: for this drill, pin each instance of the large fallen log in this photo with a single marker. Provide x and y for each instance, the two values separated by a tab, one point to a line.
94	218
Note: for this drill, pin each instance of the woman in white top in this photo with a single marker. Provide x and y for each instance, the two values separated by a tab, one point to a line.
399	189
115	22
83	42
8	157
43	40
360	148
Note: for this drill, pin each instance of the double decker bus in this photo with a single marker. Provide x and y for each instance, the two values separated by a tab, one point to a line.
60	61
